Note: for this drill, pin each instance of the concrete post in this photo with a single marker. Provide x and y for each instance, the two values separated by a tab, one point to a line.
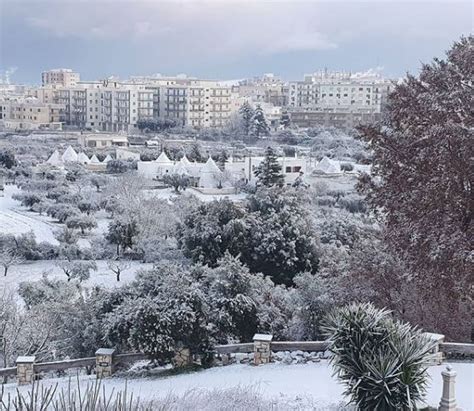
104	362
25	369
448	400
262	348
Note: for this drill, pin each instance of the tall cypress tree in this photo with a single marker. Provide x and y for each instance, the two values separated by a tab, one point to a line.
246	113
268	172
285	119
259	123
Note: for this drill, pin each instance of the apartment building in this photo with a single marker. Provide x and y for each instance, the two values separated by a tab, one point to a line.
61	76
339	90
111	105
265	89
337	99
31	114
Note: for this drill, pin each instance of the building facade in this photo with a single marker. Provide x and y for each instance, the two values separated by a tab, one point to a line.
31	114
62	77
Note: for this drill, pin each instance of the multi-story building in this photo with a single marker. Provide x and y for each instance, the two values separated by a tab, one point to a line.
31	114
266	89
339	89
337	97
111	105
62	77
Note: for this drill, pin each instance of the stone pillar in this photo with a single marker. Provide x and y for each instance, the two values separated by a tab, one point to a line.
104	362
448	400
182	357
25	369
262	348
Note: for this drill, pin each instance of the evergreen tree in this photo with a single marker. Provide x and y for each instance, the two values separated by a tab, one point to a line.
246	112
221	159
259	126
285	120
268	172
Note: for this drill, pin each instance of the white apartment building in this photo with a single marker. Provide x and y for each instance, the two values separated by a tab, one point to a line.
339	90
114	106
61	76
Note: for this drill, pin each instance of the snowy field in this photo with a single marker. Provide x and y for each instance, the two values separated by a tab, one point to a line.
34	270
301	384
15	219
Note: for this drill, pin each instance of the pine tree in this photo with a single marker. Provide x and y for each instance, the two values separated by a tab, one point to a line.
259	123
285	120
268	172
246	112
221	159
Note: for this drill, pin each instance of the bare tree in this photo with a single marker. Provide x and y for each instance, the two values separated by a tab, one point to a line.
9	257
118	267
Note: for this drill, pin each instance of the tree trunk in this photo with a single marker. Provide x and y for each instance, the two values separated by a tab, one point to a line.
5	270
118	275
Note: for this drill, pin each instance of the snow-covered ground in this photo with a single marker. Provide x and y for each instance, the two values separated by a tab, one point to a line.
34	270
312	381
14	219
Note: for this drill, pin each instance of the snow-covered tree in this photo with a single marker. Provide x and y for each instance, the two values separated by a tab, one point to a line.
233	311
166	311
246	113
268	172
177	181
422	178
80	270
259	126
122	233
81	222
9	257
118	267
285	120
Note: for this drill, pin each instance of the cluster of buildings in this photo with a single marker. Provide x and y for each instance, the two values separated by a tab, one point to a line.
209	177
71	156
328	98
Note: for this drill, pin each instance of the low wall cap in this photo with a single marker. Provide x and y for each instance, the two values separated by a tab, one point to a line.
263	337
435	337
26	359
105	351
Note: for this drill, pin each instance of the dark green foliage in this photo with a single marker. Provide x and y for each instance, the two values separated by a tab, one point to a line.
285	119
246	112
176	181
155	124
270	234
381	361
229	289
167	312
7	159
268	171
259	126
122	233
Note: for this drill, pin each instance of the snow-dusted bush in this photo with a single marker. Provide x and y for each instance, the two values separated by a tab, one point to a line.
271	233
166	310
381	361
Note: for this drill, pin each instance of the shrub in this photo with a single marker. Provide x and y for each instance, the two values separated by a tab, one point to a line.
381	361
347	167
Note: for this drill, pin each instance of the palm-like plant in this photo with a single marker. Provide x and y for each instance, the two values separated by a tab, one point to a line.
381	361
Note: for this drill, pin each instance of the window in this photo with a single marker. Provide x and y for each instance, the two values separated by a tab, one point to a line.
287	169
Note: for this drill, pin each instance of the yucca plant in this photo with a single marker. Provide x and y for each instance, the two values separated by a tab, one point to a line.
381	361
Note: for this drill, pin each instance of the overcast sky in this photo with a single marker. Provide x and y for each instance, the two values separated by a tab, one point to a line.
225	39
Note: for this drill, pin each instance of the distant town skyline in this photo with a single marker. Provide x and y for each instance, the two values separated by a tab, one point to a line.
225	40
